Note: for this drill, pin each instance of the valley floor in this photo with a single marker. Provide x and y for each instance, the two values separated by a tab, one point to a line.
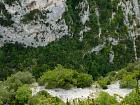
83	93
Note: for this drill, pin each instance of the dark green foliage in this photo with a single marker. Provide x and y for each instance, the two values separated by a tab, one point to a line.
72	54
5	17
38	70
34	15
69	51
10	1
72	16
65	78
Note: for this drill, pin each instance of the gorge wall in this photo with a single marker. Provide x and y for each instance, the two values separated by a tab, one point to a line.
93	35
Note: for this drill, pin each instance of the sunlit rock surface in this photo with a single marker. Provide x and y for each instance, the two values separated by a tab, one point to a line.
41	29
83	93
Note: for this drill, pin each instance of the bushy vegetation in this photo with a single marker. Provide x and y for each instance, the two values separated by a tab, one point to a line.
65	78
127	76
128	82
43	98
69	51
103	82
10	2
40	63
23	94
34	15
106	99
16	90
5	16
132	99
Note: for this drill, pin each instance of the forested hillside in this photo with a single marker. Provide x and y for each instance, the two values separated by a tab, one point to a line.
103	36
68	44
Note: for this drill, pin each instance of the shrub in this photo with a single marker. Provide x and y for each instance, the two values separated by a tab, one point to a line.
65	78
128	82
44	98
18	79
84	80
104	82
121	74
132	99
4	94
105	99
23	94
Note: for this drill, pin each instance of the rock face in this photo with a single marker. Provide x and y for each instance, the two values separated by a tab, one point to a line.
38	22
35	22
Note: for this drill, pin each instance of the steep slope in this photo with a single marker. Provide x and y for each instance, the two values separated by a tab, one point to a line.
96	36
33	22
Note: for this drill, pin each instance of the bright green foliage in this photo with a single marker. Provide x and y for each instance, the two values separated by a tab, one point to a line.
127	76
106	99
25	77
132	99
103	82
43	98
128	82
18	79
4	94
65	78
84	80
9	87
23	94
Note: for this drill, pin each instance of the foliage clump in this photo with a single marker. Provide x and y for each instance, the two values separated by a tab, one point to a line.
10	2
44	98
5	16
15	89
23	94
128	77
65	78
132	99
104	82
128	82
106	99
34	15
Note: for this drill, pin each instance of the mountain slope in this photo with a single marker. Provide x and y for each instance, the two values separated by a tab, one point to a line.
96	36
